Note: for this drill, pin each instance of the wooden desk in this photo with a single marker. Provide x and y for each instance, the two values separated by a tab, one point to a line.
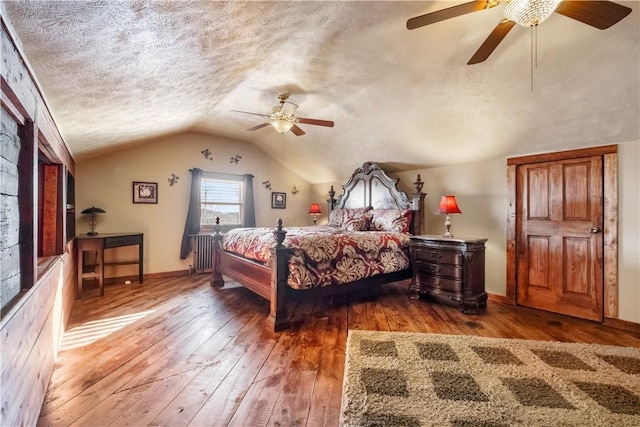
100	242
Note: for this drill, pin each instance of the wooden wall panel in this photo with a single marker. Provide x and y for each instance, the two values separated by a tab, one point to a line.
17	76
31	329
23	333
10	278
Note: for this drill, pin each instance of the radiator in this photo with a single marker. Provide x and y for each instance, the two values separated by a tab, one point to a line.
202	246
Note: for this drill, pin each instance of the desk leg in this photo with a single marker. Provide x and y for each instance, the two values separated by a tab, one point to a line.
101	271
80	264
140	251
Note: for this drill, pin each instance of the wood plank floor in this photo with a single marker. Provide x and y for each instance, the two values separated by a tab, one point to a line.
176	352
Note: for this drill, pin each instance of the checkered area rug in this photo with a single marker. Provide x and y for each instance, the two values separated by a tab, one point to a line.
412	379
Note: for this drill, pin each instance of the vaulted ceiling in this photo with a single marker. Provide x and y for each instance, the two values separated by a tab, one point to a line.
116	73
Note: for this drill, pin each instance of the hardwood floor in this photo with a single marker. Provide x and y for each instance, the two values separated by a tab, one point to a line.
177	352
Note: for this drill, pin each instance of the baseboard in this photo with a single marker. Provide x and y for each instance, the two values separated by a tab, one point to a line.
623	325
134	277
500	298
167	274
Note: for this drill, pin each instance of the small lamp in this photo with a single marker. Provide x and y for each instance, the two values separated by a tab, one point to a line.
448	206
92	211
314	210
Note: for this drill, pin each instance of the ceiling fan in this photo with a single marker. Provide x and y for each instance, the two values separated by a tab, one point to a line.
282	118
528	13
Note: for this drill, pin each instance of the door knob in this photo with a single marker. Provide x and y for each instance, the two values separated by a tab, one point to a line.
594	230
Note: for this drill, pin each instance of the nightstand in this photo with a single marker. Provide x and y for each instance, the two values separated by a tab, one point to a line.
452	267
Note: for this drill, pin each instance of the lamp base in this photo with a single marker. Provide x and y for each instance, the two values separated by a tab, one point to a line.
447	224
92	233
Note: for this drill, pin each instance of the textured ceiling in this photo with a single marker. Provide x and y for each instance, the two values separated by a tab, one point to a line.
116	73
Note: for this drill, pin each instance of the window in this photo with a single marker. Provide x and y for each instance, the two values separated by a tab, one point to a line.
221	196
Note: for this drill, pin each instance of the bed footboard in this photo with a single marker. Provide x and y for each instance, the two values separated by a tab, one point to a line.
270	281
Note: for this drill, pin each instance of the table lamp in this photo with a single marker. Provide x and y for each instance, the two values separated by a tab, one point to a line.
448	206
314	210
92	211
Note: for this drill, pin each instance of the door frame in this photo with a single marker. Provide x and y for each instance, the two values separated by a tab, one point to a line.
609	155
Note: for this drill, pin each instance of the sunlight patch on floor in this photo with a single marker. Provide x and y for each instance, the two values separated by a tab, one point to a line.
90	332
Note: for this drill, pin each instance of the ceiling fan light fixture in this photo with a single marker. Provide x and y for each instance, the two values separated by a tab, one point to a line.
282	125
529	13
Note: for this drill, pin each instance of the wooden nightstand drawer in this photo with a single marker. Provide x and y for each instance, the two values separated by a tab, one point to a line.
443	270
440	283
438	255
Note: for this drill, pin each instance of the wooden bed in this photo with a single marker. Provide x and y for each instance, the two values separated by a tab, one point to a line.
369	186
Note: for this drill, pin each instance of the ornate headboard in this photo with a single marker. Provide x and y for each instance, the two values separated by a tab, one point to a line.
370	186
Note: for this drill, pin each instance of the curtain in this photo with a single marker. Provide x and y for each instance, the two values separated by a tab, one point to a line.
249	213
192	225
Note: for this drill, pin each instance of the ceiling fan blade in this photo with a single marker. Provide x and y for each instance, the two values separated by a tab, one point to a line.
288	108
253	114
448	13
490	44
260	126
316	122
599	14
297	131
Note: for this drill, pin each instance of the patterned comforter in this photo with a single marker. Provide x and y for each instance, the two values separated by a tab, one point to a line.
325	255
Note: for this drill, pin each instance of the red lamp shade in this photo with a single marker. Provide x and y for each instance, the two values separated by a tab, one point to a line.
314	209
448	205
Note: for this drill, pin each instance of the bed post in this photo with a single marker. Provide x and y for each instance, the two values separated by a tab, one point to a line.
417	205
279	272
216	277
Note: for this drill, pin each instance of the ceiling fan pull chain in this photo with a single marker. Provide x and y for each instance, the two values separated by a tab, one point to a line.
283	148
531	59
536	43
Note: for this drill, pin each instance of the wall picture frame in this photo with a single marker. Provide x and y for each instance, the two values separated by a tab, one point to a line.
278	200
145	192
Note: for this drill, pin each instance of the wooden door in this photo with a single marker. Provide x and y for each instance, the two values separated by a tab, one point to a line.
559	243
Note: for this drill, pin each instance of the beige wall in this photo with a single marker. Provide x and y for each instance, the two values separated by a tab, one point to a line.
106	182
629	231
481	191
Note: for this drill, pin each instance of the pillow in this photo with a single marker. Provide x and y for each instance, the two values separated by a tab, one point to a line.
360	223
338	217
397	220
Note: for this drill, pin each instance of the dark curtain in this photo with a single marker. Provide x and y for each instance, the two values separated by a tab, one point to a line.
192	225
249	214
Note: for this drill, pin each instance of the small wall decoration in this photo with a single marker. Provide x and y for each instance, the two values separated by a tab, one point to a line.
173	179
145	192
295	190
278	200
266	184
235	159
207	154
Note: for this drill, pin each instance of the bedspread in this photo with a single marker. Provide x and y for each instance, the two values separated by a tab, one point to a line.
325	255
